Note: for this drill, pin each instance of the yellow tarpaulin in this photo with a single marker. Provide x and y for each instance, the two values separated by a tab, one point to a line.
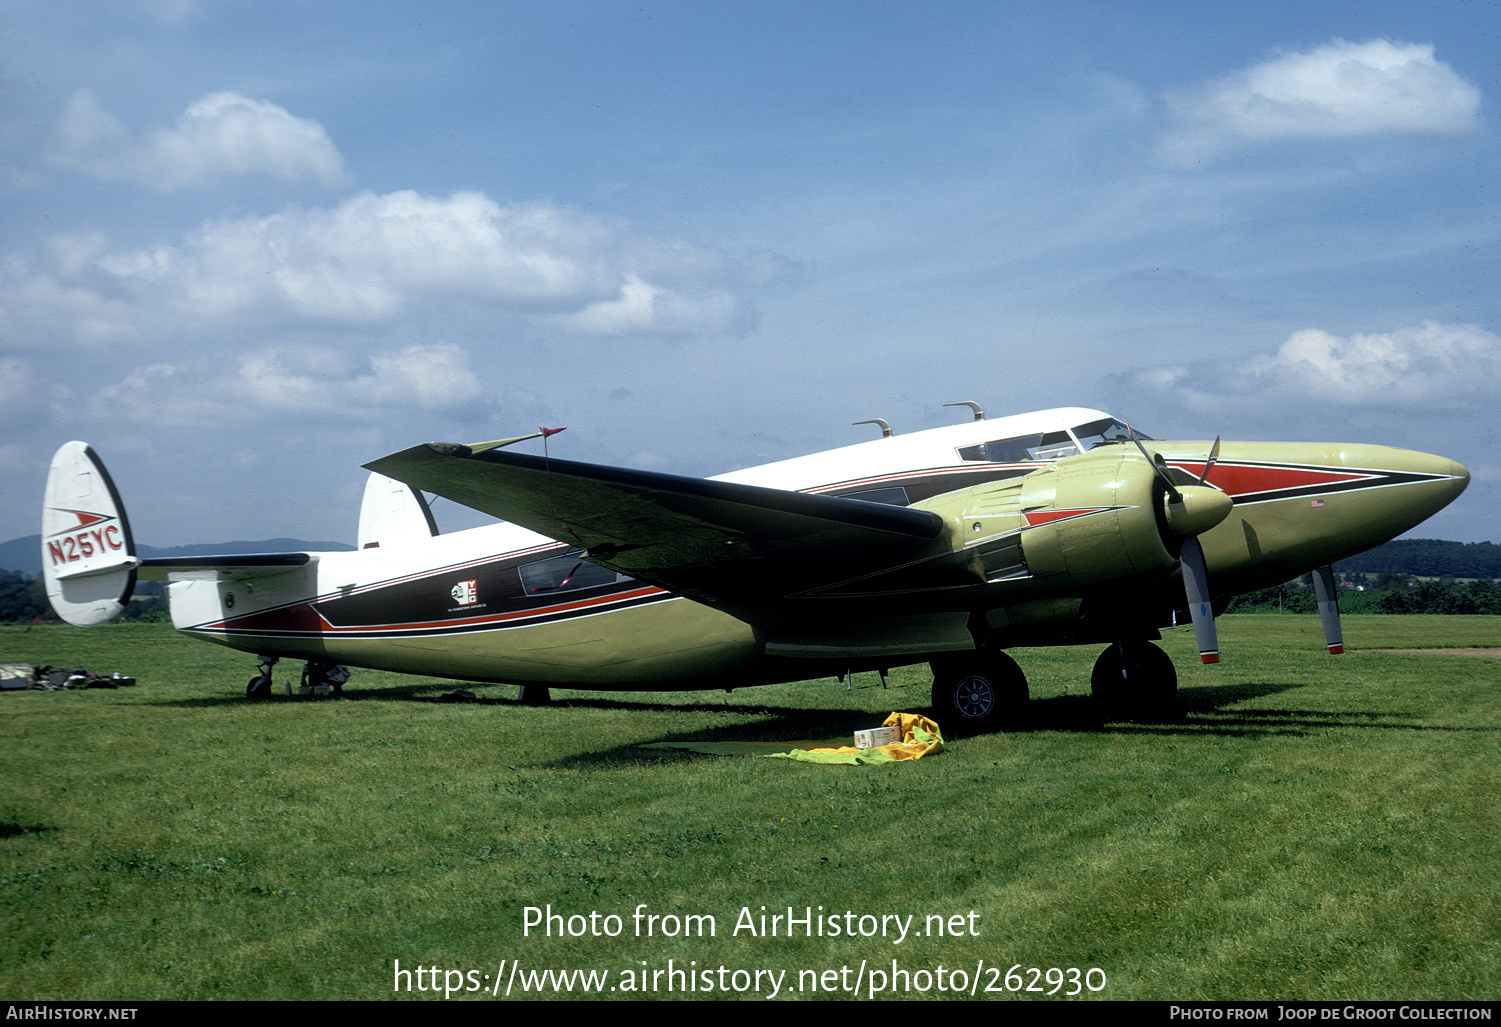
920	737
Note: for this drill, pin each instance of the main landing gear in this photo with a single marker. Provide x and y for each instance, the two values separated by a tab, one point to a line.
319	677
1135	679
983	690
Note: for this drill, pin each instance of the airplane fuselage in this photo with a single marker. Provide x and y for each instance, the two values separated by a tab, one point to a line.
1053	537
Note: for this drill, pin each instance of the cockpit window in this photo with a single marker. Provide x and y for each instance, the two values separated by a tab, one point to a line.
1098	433
1054	446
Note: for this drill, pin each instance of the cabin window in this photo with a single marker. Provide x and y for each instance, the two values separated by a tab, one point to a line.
1022	449
565	573
1003	451
894	496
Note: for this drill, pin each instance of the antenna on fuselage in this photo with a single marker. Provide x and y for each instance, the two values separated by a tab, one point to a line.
979	413
886	431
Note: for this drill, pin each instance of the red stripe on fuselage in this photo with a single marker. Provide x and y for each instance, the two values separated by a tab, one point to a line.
303	618
1252	479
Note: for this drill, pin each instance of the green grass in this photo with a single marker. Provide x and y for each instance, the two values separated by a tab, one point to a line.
1315	827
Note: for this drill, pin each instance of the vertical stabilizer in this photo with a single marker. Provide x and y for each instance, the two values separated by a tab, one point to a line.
393	513
88	556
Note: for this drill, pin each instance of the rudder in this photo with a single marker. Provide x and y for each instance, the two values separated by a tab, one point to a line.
88	555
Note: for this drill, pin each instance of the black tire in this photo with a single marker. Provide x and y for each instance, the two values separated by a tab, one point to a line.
982	691
1135	679
259	687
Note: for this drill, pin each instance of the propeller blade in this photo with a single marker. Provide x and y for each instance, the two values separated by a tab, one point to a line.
1323	590
1196	586
1214	454
1172	488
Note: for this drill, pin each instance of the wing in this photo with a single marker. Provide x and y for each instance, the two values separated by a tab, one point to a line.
740	546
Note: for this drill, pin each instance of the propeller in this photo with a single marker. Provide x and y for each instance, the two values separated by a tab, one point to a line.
1190	511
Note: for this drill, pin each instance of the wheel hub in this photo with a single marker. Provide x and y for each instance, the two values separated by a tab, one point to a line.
975	696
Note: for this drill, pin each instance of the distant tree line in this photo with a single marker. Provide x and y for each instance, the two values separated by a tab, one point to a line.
1385	593
1427	558
22	598
1415	575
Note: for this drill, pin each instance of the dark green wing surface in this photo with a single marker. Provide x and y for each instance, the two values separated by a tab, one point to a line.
719	542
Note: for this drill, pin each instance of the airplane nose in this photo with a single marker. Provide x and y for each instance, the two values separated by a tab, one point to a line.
1404	488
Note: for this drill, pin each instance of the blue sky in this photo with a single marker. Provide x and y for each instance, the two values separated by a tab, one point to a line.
248	246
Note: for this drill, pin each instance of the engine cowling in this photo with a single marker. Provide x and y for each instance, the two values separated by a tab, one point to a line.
1097	518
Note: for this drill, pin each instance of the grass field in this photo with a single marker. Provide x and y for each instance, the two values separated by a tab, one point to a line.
1315	827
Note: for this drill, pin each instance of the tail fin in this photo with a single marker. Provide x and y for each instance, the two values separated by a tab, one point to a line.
393	513
88	555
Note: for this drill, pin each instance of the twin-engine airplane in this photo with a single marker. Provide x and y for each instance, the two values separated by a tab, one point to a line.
947	546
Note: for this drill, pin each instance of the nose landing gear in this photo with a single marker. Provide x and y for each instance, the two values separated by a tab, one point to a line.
319	677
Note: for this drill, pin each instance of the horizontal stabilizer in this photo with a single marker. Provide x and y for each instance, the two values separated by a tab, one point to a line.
97	567
230	567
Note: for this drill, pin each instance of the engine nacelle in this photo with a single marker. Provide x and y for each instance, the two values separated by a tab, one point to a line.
1095	518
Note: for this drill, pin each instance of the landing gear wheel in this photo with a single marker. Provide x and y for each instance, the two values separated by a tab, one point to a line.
981	691
1135	679
259	686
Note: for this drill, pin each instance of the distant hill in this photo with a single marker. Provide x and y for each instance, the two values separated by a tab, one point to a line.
25	554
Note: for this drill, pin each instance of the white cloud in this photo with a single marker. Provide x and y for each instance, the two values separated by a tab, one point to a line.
1340	89
40	312
643	307
276	379
73	252
302	381
158	394
220	136
1431	367
430	377
373	256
